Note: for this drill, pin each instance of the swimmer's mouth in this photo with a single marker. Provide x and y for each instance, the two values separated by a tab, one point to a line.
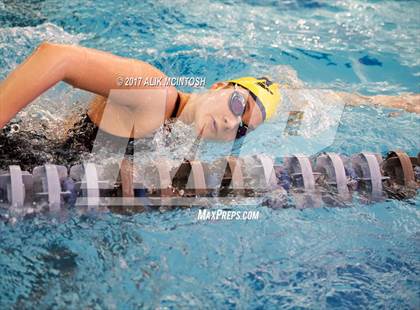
213	126
200	134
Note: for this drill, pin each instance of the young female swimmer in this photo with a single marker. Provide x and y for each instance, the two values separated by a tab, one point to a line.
226	112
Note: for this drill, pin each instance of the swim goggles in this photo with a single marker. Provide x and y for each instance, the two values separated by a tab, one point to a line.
237	105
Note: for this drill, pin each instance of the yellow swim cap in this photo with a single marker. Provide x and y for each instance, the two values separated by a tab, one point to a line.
265	93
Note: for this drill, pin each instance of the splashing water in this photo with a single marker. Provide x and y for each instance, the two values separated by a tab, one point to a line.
366	256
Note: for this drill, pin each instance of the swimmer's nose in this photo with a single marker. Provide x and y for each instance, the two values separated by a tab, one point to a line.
230	123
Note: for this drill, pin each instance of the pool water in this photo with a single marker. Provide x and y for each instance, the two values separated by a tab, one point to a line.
363	256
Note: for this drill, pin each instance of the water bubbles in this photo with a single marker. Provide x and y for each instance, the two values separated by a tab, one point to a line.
14	128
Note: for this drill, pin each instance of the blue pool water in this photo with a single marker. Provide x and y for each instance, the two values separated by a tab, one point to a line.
363	256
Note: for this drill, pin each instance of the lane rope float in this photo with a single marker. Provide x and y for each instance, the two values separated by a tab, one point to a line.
249	176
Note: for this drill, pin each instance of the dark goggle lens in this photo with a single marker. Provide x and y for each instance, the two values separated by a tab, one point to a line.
237	104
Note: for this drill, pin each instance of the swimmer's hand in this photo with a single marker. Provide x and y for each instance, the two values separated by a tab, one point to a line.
408	102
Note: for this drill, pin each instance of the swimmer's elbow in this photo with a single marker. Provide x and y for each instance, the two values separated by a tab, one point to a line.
44	45
49	48
57	58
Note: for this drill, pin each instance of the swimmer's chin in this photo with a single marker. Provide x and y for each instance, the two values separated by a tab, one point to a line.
200	131
201	134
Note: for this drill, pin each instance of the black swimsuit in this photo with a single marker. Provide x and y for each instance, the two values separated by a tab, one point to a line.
85	132
29	149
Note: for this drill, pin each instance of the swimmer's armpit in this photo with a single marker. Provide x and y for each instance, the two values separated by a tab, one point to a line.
408	102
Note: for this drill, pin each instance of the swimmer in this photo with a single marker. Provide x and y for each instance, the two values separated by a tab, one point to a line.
227	111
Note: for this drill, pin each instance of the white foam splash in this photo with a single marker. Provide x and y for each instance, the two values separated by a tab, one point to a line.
52	107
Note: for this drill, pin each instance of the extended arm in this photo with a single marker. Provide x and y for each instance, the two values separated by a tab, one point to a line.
408	102
89	69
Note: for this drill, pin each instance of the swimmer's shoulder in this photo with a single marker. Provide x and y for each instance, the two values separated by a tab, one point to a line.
149	115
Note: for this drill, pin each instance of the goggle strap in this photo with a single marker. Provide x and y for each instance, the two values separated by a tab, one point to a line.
259	104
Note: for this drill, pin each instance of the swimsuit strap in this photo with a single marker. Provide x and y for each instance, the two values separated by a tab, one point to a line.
175	111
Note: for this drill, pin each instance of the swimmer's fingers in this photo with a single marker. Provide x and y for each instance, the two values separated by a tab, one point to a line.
407	102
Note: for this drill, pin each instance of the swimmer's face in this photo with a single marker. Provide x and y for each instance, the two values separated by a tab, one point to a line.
214	120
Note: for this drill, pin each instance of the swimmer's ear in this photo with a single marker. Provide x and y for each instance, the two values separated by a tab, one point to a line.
218	85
